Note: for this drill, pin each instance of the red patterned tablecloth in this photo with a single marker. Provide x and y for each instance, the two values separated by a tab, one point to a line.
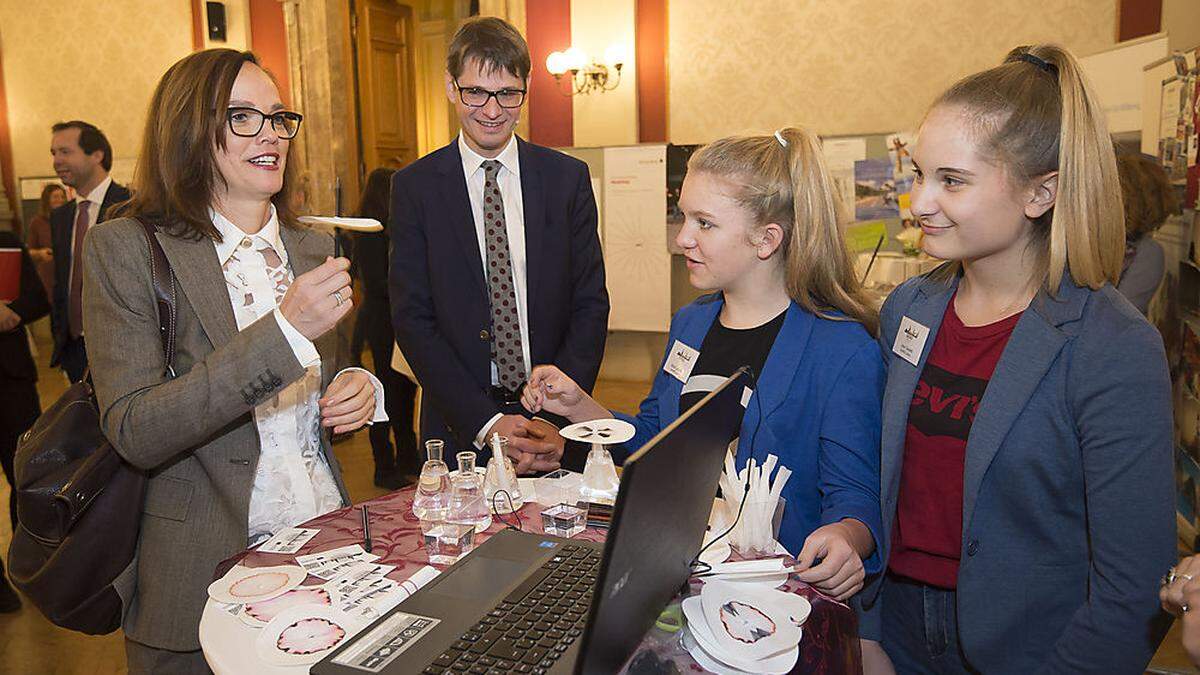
829	645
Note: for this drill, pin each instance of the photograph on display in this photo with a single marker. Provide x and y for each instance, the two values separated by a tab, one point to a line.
875	190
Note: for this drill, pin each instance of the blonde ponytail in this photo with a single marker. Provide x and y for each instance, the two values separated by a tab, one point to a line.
782	179
1037	114
1087	232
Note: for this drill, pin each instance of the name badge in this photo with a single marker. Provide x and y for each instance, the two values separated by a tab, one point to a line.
910	340
681	361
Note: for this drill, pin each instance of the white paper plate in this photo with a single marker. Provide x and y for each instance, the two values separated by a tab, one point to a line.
255	584
698	629
259	614
606	431
748	622
303	635
355	224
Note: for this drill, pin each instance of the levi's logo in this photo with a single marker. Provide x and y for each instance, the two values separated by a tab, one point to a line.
945	404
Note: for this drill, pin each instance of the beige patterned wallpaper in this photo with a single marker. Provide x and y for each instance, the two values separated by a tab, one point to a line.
96	61
848	66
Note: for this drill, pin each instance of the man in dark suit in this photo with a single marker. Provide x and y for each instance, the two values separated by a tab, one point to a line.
18	380
496	262
82	159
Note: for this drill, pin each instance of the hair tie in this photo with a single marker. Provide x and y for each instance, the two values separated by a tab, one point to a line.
779	137
1039	62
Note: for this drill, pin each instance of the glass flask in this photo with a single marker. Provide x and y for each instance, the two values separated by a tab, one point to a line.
433	489
501	476
467	503
600	481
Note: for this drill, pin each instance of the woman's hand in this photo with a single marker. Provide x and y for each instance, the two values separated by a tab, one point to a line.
1181	597
348	403
840	574
318	299
549	389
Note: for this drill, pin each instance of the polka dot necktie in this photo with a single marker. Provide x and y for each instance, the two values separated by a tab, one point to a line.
506	325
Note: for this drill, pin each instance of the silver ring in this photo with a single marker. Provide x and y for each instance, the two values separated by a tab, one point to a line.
1169	577
337	295
1184	608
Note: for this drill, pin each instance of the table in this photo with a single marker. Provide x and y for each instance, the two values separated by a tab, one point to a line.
829	645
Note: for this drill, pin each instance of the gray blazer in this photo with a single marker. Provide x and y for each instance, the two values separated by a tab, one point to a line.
194	434
1068	513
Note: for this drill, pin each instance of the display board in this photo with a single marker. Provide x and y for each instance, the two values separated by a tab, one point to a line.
1116	77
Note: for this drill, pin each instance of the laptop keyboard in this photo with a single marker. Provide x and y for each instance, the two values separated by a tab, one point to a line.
531	628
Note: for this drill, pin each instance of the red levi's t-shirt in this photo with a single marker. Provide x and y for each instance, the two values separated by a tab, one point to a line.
928	533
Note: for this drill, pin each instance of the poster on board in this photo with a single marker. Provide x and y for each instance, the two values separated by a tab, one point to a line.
636	261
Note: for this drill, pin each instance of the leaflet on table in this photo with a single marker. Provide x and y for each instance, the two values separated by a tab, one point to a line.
359	578
288	540
330	564
378	597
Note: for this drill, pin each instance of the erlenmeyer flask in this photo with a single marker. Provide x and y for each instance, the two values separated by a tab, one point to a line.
467	504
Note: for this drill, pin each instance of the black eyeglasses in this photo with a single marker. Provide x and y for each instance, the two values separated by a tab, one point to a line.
477	97
247	122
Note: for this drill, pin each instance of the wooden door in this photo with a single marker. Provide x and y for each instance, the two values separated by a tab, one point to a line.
383	36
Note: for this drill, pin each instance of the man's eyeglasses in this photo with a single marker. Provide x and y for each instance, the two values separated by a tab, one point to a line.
477	97
247	122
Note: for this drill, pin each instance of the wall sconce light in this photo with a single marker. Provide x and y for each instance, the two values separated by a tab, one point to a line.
587	75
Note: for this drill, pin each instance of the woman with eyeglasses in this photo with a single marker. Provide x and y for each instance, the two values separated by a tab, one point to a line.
234	433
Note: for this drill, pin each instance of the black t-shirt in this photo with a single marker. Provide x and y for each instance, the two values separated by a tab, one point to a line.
723	351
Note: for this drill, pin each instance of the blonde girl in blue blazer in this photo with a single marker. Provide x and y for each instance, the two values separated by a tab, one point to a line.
1061	477
762	235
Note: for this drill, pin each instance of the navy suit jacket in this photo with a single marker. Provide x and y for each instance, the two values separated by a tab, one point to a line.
816	406
62	225
1068	514
440	306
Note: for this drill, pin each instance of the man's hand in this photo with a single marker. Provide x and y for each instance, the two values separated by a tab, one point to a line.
8	318
348	403
534	445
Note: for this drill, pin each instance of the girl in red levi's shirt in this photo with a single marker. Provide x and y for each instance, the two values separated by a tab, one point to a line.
1026	483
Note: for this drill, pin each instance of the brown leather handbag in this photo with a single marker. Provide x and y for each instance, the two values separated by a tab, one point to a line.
79	505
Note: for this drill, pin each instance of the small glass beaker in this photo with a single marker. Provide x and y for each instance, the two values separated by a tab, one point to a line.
467	503
433	489
445	542
564	520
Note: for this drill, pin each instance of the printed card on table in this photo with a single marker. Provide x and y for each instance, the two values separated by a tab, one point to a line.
288	540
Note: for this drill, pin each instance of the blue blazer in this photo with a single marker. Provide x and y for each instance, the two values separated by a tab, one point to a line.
1068	515
440	305
819	402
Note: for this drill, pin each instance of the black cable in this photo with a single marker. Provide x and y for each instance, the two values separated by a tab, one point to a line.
512	511
699	566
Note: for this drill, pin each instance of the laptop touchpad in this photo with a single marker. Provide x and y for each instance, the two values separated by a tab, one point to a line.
482	577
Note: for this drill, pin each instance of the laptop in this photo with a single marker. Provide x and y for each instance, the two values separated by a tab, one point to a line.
524	602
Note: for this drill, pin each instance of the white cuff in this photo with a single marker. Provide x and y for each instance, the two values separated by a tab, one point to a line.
380	414
302	347
479	437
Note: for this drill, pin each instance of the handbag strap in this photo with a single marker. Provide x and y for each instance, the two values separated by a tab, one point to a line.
164	293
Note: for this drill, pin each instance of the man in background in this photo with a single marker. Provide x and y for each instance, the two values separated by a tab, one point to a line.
82	159
496	262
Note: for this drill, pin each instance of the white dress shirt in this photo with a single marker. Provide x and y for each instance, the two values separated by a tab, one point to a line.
509	182
292	481
95	200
